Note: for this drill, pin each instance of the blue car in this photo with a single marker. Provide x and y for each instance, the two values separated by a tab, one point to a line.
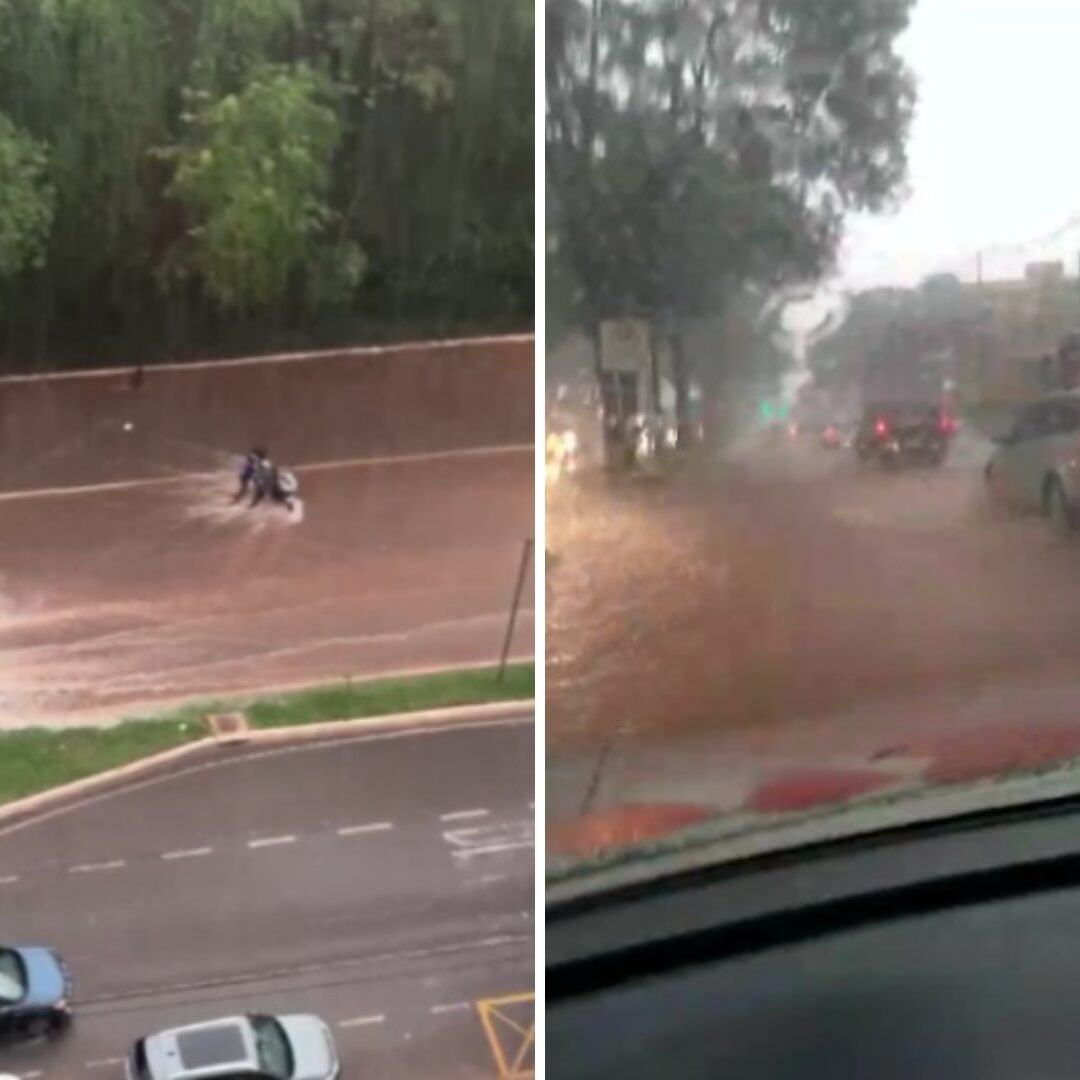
35	992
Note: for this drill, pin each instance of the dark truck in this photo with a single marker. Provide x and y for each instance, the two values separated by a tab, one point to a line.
905	420
896	435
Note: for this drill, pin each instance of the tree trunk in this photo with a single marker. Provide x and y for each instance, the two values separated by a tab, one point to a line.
681	374
609	419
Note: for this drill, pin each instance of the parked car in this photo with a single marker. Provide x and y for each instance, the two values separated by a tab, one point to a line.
35	992
256	1046
1036	463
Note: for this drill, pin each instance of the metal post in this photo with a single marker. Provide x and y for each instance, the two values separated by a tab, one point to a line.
526	555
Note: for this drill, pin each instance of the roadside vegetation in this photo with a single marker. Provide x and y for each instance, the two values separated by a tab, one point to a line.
190	178
702	160
36	759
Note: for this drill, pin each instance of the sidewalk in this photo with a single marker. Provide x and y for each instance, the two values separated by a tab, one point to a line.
630	792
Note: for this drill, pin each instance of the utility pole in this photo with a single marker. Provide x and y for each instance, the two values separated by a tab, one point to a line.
978	268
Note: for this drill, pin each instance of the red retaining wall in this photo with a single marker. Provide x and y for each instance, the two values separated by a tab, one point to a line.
69	429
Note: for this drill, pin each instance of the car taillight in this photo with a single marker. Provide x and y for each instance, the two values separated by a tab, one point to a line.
946	424
881	428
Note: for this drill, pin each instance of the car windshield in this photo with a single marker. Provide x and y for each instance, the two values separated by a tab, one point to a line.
764	216
273	1048
13	979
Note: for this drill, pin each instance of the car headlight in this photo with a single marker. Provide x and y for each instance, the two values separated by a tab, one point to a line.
570	441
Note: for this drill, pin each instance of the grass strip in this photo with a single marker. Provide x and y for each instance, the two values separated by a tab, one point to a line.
36	759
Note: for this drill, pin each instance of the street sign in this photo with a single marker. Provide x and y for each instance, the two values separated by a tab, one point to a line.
624	346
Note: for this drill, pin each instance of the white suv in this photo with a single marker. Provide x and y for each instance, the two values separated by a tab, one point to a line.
1037	463
255	1046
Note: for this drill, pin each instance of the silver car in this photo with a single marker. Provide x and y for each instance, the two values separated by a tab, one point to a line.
1037	463
257	1046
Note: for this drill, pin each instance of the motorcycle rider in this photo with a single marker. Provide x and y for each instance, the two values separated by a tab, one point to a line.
265	480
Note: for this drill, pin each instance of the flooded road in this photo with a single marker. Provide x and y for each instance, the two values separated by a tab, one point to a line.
793	605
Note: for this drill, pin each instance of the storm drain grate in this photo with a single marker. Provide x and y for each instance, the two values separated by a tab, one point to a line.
228	727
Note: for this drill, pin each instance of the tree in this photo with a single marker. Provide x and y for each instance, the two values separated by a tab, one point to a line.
700	146
26	200
254	175
227	176
896	326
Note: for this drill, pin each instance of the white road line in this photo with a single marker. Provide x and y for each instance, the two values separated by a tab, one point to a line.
492	849
188	853
361	1021
31	1075
461	815
454	1006
356	830
489	879
104	1062
93	868
272	841
107	486
9	880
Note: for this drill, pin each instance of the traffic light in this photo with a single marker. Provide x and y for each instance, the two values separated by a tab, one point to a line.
770	410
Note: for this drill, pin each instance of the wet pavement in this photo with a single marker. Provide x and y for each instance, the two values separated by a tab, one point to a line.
117	601
789	621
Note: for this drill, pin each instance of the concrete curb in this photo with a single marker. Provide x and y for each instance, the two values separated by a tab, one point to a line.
162	708
43	799
453	716
458	714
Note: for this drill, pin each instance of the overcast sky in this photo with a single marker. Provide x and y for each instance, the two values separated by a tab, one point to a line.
995	146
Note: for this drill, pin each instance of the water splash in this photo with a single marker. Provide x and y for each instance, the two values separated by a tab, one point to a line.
210	499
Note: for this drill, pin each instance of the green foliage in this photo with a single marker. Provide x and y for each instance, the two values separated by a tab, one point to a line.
254	176
26	200
334	170
696	147
896	325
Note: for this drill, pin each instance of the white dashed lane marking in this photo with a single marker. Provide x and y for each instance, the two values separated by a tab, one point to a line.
189	853
362	1021
453	1006
104	1063
271	841
94	868
357	830
463	815
484	840
488	879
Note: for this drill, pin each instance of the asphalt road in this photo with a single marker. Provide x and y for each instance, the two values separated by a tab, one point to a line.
383	881
115	600
793	607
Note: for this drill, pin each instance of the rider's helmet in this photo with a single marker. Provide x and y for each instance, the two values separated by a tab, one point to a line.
260	452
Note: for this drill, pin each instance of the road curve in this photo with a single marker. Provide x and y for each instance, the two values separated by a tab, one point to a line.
384	881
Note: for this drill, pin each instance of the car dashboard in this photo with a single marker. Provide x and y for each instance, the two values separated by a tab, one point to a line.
948	950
